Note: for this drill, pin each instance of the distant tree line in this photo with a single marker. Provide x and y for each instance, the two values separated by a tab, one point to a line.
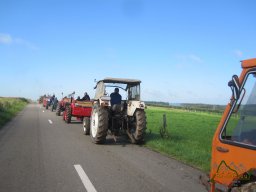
157	103
189	106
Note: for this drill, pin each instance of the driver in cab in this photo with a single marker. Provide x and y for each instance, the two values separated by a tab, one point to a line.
115	97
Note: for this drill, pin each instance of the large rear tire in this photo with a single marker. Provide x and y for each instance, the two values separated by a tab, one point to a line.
58	110
99	125
86	125
140	126
68	114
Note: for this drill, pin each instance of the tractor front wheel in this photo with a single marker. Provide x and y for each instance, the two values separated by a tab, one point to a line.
99	125
86	125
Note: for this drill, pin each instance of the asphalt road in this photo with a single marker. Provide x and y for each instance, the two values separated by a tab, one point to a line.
40	152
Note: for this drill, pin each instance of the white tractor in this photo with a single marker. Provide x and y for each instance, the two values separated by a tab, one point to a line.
126	117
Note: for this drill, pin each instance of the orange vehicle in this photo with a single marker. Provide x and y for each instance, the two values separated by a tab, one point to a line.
233	164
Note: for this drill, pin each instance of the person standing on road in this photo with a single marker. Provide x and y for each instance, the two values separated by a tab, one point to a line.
115	97
52	99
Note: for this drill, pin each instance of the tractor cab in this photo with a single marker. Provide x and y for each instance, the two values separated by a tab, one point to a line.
129	89
233	165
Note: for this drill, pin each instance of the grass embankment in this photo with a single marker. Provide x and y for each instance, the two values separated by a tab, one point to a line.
9	107
190	135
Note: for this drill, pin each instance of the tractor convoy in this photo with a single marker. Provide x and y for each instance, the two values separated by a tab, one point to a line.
104	115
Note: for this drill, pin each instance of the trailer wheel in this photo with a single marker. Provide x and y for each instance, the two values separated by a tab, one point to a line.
86	125
68	114
99	125
58	110
140	126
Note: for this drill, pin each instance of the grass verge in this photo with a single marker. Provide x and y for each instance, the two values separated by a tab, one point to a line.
9	107
190	135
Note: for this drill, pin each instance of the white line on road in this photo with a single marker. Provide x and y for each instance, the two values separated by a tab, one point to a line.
85	179
50	121
43	111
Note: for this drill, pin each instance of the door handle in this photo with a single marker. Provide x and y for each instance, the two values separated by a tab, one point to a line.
222	149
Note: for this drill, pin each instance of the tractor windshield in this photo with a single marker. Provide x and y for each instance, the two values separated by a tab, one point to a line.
134	92
126	90
241	126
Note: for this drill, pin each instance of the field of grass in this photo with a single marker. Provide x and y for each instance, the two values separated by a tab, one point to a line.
9	107
190	134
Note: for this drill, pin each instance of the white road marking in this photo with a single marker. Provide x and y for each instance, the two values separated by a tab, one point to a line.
50	121
43	111
85	179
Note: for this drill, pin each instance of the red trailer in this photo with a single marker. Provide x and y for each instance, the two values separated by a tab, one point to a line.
78	109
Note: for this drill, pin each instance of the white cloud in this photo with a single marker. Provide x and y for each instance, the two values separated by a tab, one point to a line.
238	53
25	43
189	58
7	39
184	60
194	58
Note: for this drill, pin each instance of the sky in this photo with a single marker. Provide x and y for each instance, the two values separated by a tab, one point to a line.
183	51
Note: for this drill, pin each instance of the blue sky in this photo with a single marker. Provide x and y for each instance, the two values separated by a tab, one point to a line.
183	51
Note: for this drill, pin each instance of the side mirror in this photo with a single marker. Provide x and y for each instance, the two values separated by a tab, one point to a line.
235	87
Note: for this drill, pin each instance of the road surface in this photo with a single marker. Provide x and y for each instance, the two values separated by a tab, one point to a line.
39	152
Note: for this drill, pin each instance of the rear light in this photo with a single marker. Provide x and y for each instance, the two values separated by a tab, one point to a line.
142	105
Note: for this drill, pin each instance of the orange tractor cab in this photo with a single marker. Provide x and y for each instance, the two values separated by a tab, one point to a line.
233	163
77	108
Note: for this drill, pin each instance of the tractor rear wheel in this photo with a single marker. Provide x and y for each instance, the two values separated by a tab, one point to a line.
140	126
58	110
99	125
68	114
86	125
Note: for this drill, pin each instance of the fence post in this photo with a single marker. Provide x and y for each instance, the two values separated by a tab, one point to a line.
163	131
164	121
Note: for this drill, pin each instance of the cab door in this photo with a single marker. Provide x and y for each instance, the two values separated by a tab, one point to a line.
234	143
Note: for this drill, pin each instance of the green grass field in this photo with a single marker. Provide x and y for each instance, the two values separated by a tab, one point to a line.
9	107
190	135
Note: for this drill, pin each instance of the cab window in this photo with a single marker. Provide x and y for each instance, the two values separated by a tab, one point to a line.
241	126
